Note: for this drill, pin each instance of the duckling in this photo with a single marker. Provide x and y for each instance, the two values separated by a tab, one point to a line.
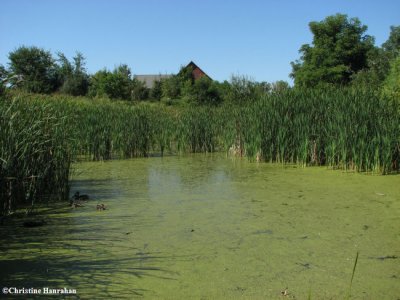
285	292
75	204
101	207
78	196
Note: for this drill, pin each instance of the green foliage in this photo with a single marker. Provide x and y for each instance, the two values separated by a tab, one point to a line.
73	77
242	90
340	49
3	73
36	66
186	74
3	77
342	128
205	91
373	75
391	86
138	90
156	91
379	61
279	86
197	130
171	87
35	152
98	83
114	85
392	45
178	86
184	86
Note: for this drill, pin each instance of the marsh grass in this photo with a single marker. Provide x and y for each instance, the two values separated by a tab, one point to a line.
40	136
349	129
35	153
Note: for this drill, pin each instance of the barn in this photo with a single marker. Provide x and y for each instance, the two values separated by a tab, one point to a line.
197	73
149	80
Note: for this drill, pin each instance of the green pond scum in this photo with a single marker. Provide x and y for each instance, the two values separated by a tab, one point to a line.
211	227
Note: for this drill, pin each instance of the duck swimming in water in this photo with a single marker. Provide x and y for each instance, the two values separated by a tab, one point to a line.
78	196
101	207
77	200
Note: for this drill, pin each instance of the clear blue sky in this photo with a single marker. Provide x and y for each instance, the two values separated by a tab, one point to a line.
257	38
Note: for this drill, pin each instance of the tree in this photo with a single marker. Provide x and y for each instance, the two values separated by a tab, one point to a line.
72	76
205	91
156	91
97	84
37	68
392	45
3	79
379	62
185	74
375	72
339	50
243	90
171	87
139	91
114	85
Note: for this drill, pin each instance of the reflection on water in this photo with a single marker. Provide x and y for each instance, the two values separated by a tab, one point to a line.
214	228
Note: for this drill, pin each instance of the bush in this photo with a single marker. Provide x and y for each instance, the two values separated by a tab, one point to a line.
205	91
138	90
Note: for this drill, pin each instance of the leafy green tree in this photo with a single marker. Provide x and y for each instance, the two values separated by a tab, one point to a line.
72	76
64	67
171	87
138	90
339	49
375	72
392	45
97	84
37	68
186	89
114	85
243	90
156	91
205	91
120	83
379	62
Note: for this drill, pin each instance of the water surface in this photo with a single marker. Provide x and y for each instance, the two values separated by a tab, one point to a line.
210	227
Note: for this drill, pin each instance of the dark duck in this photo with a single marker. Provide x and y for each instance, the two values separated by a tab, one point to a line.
77	199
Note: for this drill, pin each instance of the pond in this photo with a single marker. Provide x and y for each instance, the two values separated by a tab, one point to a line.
212	227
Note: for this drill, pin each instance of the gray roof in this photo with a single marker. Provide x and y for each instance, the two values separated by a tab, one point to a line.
149	80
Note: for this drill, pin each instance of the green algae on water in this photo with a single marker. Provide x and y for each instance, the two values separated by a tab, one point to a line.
203	226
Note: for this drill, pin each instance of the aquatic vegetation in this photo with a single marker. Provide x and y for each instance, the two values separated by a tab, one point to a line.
203	226
342	128
35	153
349	129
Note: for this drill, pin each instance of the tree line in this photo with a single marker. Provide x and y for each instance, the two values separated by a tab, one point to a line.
341	54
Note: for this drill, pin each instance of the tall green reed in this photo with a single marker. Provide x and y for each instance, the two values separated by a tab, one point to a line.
40	136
